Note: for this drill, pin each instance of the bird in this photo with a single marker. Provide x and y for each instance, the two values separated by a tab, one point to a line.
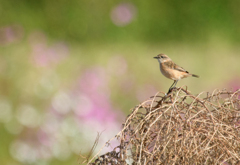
171	70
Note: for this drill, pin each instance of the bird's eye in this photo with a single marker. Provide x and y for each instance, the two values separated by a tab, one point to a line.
162	57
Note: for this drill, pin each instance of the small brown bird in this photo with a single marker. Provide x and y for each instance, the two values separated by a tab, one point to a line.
171	70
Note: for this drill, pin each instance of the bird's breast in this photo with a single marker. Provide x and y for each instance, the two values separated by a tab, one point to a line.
171	73
165	71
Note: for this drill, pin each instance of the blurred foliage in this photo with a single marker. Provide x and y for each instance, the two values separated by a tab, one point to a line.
162	21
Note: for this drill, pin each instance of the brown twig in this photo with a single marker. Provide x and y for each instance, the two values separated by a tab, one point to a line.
180	128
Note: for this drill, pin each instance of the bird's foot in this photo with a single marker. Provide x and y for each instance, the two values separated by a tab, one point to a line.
170	90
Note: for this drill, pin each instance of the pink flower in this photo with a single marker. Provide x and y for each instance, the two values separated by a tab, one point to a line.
44	55
123	14
92	100
10	34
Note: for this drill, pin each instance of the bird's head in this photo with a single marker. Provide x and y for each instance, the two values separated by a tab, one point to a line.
162	58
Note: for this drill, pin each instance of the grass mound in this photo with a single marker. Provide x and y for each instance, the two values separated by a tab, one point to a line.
180	128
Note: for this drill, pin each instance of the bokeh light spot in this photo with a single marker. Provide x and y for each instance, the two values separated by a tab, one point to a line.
48	83
82	105
61	150
62	103
23	152
10	34
123	14
28	116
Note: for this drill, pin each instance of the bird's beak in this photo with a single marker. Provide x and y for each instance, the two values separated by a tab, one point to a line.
156	57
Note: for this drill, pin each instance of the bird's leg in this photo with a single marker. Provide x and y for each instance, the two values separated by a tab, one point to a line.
175	84
171	86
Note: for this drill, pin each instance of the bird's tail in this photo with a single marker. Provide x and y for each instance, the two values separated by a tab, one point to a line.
195	75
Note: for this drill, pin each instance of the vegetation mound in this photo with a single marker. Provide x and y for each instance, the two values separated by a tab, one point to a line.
180	128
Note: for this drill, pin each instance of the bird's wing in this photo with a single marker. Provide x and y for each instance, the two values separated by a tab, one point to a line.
175	66
172	65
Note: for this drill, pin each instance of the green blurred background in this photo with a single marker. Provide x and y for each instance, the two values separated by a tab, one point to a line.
72	68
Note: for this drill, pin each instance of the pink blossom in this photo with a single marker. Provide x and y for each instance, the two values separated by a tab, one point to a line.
10	34
123	14
44	55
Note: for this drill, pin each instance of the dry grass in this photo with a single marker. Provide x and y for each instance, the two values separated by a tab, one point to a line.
180	128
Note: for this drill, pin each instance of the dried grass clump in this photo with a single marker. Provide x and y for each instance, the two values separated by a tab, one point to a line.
180	128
